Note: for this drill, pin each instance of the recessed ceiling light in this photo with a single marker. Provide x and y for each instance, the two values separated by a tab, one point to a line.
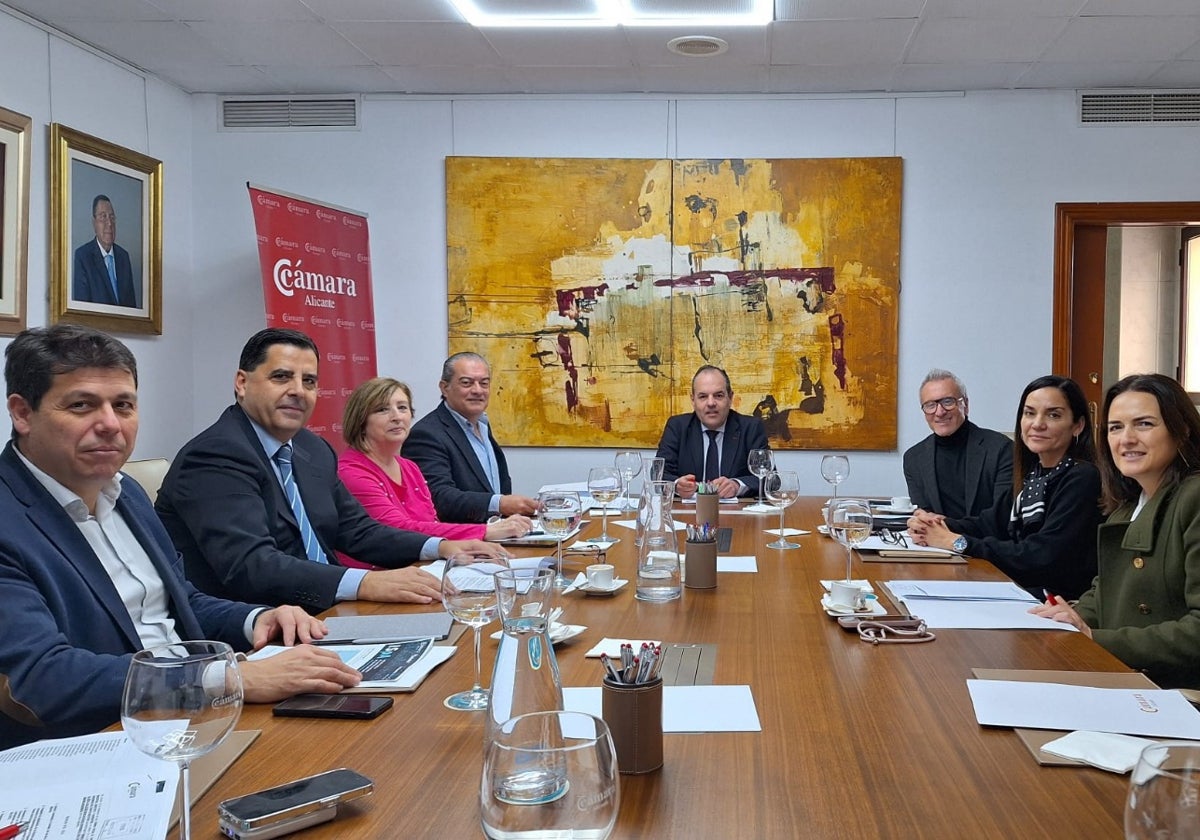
697	45
566	13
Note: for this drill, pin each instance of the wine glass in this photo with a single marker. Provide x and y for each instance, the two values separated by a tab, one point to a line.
850	524
560	512
549	774
628	464
469	595
760	462
835	469
180	702
782	487
1164	792
604	483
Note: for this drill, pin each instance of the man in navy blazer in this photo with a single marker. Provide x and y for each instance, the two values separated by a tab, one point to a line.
223	500
960	470
453	445
88	576
713	443
91	281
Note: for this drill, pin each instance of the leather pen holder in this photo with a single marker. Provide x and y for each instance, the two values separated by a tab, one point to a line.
701	565
708	510
634	717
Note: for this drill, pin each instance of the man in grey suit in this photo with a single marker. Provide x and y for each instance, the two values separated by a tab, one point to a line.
960	469
453	445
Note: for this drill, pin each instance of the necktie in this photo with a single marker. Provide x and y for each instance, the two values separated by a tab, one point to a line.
112	274
712	459
283	458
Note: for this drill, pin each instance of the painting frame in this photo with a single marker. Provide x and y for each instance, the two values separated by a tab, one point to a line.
15	132
86	174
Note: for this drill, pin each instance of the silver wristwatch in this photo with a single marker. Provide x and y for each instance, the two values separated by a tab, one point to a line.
959	545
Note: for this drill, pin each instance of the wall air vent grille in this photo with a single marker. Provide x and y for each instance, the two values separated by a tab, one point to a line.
250	114
1140	107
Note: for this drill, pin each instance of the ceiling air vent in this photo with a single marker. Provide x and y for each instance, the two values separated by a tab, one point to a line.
1140	107
304	113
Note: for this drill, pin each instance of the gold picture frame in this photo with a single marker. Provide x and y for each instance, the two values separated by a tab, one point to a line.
15	130
94	185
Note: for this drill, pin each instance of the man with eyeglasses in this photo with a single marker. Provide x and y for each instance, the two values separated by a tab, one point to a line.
103	272
454	447
960	469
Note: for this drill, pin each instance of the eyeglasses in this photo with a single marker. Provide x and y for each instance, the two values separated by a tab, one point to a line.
893	537
948	403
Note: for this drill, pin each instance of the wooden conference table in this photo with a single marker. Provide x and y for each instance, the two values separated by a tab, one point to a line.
857	740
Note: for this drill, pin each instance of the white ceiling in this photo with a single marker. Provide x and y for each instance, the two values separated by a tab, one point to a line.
814	46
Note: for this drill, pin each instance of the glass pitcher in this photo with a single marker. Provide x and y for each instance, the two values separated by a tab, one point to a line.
658	572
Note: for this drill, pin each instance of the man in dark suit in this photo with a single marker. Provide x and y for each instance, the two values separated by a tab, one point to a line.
103	273
960	469
255	505
713	443
88	576
453	445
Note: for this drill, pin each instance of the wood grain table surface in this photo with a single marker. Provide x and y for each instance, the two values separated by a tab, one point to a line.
857	741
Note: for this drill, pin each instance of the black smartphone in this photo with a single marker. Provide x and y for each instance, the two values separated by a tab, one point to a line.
357	706
292	806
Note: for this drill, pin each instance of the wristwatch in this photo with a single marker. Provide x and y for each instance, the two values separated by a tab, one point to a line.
959	545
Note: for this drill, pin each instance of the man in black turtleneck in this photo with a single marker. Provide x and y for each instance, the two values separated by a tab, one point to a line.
960	469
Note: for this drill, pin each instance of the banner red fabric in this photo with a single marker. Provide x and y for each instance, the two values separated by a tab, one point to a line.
316	272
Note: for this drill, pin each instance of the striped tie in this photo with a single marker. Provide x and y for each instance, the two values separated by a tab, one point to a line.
283	458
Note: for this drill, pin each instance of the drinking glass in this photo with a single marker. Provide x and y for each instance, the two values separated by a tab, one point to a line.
180	702
1164	792
604	483
653	468
760	462
850	524
470	597
628	464
782	488
559	511
835	469
549	774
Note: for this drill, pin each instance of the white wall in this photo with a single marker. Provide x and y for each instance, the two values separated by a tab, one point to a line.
52	80
982	173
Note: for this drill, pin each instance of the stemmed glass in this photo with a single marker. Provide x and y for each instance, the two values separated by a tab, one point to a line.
604	483
628	464
1164	792
850	524
180	702
760	462
559	511
549	774
782	488
835	469
470	597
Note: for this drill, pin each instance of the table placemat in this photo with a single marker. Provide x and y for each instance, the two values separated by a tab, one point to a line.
688	664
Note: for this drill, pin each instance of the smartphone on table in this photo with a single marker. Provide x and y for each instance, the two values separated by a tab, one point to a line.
346	706
292	806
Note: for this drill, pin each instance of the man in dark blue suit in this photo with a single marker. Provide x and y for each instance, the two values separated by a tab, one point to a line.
88	576
103	273
713	443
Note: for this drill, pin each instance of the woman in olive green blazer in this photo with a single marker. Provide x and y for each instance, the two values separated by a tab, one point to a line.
1144	605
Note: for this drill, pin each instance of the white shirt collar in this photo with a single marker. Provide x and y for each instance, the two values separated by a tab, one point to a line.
72	503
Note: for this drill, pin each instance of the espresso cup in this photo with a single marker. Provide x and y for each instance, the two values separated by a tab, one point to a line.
845	596
600	575
901	502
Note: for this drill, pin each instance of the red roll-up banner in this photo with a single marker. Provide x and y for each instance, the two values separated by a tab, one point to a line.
316	272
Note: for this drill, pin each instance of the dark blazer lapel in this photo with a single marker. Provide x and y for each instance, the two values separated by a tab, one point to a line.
281	503
47	515
188	627
731	443
929	469
101	272
975	457
458	435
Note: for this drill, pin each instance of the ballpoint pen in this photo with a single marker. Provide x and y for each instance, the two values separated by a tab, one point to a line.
11	831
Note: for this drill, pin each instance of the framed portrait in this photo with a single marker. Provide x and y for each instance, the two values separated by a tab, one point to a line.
15	130
105	234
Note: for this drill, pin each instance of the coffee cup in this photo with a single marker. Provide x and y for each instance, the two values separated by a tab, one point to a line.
845	596
600	575
901	502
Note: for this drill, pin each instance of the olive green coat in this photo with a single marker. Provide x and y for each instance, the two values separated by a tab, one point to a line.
1144	605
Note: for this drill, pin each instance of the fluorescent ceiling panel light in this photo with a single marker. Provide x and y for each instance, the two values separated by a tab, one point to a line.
597	13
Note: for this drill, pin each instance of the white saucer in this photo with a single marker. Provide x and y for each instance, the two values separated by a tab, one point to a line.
873	607
823	529
898	511
558	632
595	590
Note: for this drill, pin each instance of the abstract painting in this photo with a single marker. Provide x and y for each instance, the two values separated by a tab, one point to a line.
597	287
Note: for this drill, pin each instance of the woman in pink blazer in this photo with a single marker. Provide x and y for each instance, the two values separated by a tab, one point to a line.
391	488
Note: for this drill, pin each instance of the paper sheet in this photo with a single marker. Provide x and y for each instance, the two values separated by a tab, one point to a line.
959	590
787	532
736	564
687	708
613	646
982	615
1154	713
631	524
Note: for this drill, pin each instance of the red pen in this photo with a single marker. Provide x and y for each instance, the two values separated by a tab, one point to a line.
1051	599
11	831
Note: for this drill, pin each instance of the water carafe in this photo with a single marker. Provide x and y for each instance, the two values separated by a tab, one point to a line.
658	572
525	677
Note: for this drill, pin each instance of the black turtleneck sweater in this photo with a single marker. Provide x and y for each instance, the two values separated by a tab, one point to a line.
950	466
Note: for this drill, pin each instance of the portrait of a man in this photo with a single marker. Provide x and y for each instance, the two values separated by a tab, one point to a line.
102	271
